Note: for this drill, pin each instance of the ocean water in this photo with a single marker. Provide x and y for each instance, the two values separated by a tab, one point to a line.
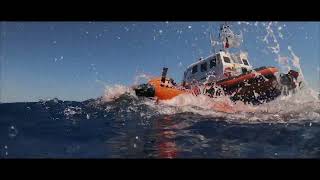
121	125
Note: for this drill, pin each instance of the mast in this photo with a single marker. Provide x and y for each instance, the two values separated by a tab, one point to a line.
212	40
229	38
212	43
222	33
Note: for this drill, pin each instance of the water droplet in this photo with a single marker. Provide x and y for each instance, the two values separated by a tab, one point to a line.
13	132
201	137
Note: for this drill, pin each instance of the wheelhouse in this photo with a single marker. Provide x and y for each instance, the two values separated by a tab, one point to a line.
216	67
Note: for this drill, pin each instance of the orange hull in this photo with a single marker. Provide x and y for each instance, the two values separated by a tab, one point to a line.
166	93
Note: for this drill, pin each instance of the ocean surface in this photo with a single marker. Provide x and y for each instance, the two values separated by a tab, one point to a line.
124	126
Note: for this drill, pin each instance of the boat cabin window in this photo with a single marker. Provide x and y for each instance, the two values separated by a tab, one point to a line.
237	60
245	62
194	69
244	70
204	67
226	59
213	63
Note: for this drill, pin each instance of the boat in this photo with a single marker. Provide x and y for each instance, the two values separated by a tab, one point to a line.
224	73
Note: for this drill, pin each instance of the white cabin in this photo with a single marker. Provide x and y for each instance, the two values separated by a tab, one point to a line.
217	67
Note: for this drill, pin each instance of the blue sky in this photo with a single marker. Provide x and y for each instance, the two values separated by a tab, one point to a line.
73	60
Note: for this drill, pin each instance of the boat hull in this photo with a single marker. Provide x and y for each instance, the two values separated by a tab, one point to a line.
258	86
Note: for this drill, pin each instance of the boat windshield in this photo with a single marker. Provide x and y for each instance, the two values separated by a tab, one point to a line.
226	59
236	59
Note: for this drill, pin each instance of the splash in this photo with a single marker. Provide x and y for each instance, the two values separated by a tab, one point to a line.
140	77
302	105
219	104
115	91
295	108
270	34
71	111
296	62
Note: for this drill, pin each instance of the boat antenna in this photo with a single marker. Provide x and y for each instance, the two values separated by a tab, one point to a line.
212	43
220	31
